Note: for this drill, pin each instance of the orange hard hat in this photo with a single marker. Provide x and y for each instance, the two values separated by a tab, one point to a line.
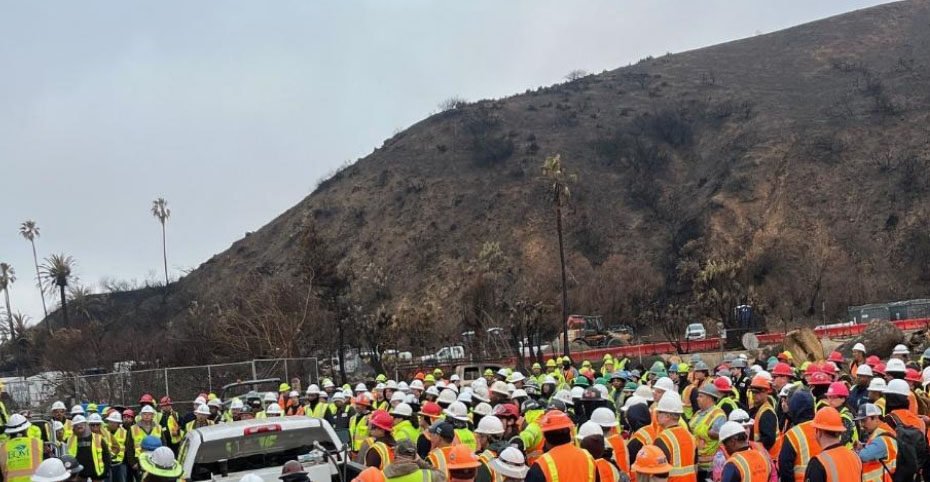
760	382
651	460
363	399
419	376
828	420
555	420
461	457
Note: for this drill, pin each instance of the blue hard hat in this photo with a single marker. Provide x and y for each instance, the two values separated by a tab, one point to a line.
150	443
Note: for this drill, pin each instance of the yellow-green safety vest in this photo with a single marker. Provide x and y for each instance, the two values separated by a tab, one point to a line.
96	451
19	458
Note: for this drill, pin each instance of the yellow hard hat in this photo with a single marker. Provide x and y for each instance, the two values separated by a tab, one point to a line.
585	364
608	357
284	387
550	363
430	378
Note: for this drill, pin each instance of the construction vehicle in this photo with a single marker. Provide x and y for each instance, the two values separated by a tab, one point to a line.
586	332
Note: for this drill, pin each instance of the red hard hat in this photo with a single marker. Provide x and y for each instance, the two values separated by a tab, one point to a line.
783	370
872	361
382	420
506	410
165	401
835	357
812	369
838	389
146	398
820	378
828	368
129	413
912	375
879	369
723	384
431	409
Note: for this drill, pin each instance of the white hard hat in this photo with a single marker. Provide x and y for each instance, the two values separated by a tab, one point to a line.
859	347
398	396
51	470
454	378
313	389
511	463
605	395
670	403
483	409
293	394
432	390
416	385
864	370
162	458
516	377
402	386
391	384
665	384
77	410
251	478
740	416
59	405
900	350
411	399
604	417
202	410
273	409
925	377
327	383
519	393
565	396
632	400
481	394
147	409
503	373
464	397
446	396
379	386
877	385
784	391
402	410
511	387
549	380
361	388
270	397
339	396
94	419
730	429
458	411
577	393
17	423
490	425
588	429
452	387
236	404
897	387
479	382
895	366
645	392
78	419
500	388
200	400
56	425
764	374
115	416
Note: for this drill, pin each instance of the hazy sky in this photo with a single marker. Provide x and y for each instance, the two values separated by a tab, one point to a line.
233	110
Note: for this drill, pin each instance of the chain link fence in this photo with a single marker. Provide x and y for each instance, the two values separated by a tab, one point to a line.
124	388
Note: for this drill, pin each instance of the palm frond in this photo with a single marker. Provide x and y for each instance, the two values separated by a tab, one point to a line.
29	230
160	210
57	271
7	276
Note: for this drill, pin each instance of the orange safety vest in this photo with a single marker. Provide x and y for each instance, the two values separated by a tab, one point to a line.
646	435
766	407
912	402
802	440
606	471
753	466
681	445
840	464
873	471
561	464
371	474
621	454
486	457
385	452
438	458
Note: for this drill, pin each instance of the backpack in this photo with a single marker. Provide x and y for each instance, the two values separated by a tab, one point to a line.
913	451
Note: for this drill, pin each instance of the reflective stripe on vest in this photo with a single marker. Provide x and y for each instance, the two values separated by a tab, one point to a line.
606	471
680	444
20	458
358	427
752	465
437	458
422	475
96	450
117	444
756	436
802	440
873	471
138	434
621	454
551	470
645	436
840	464
700	427
486	457
385	453
174	429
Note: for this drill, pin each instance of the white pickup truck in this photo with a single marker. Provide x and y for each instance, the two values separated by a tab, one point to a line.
445	355
228	451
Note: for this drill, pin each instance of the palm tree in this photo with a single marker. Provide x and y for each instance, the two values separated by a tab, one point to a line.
30	230
7	277
20	322
162	213
558	181
57	274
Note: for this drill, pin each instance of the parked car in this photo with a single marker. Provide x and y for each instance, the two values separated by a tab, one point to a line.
695	331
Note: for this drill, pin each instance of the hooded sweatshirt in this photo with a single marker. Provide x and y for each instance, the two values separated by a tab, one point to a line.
800	410
637	417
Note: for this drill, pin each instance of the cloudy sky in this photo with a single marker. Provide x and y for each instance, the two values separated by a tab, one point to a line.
233	110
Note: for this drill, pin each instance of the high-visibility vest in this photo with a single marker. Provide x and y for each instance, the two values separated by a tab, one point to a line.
174	428
534	442
67	430
190	426
606	471
563	464
912	402
727	401
686	397
371	474
138	434
385	453
19	458
753	465
873	471
405	431
802	440
34	431
358	428
840	464
645	435
766	407
846	414
318	411
621	455
438	458
422	475
96	450
116	441
681	445
700	427
466	437
485	458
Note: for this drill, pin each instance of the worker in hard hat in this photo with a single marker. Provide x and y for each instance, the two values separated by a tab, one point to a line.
800	442
20	454
377	450
590	437
170	422
705	425
674	440
651	465
563	461
742	464
489	435
358	422
836	397
145	425
834	461
160	466
690	393
90	450
879	453
765	421
115	436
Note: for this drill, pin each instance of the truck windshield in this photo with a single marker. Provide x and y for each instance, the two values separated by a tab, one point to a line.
257	451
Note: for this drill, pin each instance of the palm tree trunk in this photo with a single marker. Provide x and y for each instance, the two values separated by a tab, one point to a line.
64	304
164	253
35	259
564	321
9	312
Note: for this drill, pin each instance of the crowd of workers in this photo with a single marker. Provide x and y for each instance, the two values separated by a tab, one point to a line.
744	420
